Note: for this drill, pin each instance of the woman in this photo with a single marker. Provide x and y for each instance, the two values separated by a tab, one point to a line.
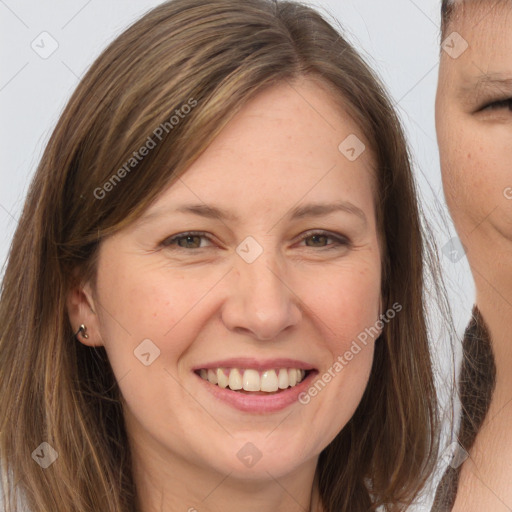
177	336
474	124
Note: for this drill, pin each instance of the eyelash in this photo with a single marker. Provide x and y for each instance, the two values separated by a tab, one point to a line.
498	105
341	241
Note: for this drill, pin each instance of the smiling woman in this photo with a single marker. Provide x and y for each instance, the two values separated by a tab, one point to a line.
162	337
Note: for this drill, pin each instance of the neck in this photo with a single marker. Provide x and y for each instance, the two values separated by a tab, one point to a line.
485	477
490	259
494	300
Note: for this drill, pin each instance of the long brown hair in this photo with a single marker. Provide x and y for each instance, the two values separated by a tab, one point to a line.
218	54
478	369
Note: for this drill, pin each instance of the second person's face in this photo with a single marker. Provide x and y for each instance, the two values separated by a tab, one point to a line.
474	126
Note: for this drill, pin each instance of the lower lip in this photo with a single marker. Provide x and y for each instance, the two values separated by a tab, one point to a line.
260	403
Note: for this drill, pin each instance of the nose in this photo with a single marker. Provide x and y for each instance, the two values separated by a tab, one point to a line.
260	300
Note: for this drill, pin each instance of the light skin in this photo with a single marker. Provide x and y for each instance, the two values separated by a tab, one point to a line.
474	125
201	302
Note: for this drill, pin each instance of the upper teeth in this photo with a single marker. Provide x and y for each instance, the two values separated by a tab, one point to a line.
253	380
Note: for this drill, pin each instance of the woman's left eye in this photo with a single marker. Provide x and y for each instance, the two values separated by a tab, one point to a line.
339	240
185	240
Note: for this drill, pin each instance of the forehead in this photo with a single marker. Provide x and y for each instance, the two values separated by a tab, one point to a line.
486	26
478	15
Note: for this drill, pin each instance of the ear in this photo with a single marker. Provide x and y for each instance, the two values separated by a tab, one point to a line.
81	310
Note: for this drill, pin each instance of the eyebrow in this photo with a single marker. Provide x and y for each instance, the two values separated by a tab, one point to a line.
299	212
489	81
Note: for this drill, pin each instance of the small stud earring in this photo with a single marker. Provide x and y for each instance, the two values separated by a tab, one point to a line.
82	329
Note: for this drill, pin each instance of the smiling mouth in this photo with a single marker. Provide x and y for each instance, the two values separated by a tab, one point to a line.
250	381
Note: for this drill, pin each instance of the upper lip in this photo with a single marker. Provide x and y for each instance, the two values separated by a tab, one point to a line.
256	364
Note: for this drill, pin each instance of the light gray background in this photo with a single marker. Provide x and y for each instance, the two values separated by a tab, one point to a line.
399	38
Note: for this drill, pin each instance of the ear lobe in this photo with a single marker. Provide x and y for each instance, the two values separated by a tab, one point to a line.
81	311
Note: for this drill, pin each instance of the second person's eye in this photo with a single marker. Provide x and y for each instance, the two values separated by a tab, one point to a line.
498	105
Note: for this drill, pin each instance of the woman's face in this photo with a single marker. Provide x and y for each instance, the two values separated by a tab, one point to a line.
474	125
248	299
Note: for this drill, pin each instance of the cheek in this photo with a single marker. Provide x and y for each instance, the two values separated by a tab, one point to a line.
350	328
145	297
349	323
140	311
351	305
149	320
476	166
